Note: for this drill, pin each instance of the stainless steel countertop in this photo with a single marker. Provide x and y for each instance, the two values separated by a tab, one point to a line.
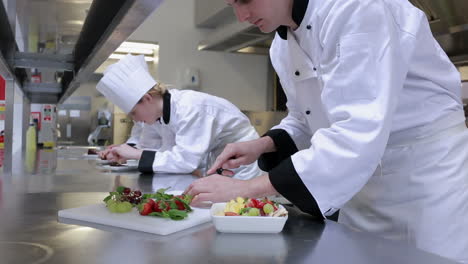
30	231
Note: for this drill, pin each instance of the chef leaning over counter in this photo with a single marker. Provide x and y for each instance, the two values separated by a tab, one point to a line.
375	125
144	136
199	123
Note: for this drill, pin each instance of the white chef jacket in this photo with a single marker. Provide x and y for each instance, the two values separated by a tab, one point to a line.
135	133
357	74
156	137
151	137
199	124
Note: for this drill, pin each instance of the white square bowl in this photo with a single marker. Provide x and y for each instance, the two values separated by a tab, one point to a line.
246	224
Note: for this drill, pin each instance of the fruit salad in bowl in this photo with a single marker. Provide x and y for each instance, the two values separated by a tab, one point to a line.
249	215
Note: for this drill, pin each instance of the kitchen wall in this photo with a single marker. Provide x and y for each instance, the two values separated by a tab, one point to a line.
242	79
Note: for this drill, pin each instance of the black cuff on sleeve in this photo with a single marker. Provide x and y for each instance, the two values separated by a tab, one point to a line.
285	147
287	182
131	144
146	161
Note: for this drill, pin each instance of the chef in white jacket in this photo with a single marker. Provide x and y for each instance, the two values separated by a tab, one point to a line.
375	125
156	136
199	123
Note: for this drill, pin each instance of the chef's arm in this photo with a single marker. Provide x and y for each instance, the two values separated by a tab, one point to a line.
291	134
282	148
145	165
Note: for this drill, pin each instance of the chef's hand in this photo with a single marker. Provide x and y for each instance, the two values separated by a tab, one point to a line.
242	153
103	154
123	153
217	188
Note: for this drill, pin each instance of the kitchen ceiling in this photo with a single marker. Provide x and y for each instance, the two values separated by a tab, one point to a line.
56	23
66	40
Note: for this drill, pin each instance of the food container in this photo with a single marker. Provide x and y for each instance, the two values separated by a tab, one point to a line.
246	224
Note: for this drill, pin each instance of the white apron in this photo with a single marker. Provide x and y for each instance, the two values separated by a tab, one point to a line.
419	191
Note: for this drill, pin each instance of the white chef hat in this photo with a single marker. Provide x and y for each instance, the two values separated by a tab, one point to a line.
125	82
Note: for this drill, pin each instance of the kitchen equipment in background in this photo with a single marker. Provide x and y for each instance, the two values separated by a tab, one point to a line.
74	121
44	117
121	127
101	135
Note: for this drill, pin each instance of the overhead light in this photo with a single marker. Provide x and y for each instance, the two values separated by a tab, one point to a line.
149	50
74	22
254	50
115	56
201	47
246	50
137	48
134	50
75	1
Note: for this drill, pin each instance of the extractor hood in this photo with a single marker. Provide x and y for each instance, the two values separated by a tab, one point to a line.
448	20
237	37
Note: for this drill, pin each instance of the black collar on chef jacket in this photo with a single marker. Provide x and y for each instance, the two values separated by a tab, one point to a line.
166	108
298	12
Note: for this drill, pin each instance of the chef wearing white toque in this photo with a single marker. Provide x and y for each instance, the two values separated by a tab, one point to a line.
199	124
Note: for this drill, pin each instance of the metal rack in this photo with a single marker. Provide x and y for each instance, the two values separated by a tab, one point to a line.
107	25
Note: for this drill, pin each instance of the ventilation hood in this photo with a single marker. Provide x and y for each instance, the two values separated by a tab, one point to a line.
448	20
237	37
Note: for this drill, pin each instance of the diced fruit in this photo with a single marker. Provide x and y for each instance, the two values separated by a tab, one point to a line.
254	212
147	209
268	208
160	206
151	202
109	202
124	207
230	214
180	205
252	207
252	203
235	206
113	208
260	205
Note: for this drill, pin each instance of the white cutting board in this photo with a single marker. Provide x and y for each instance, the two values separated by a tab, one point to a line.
98	213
